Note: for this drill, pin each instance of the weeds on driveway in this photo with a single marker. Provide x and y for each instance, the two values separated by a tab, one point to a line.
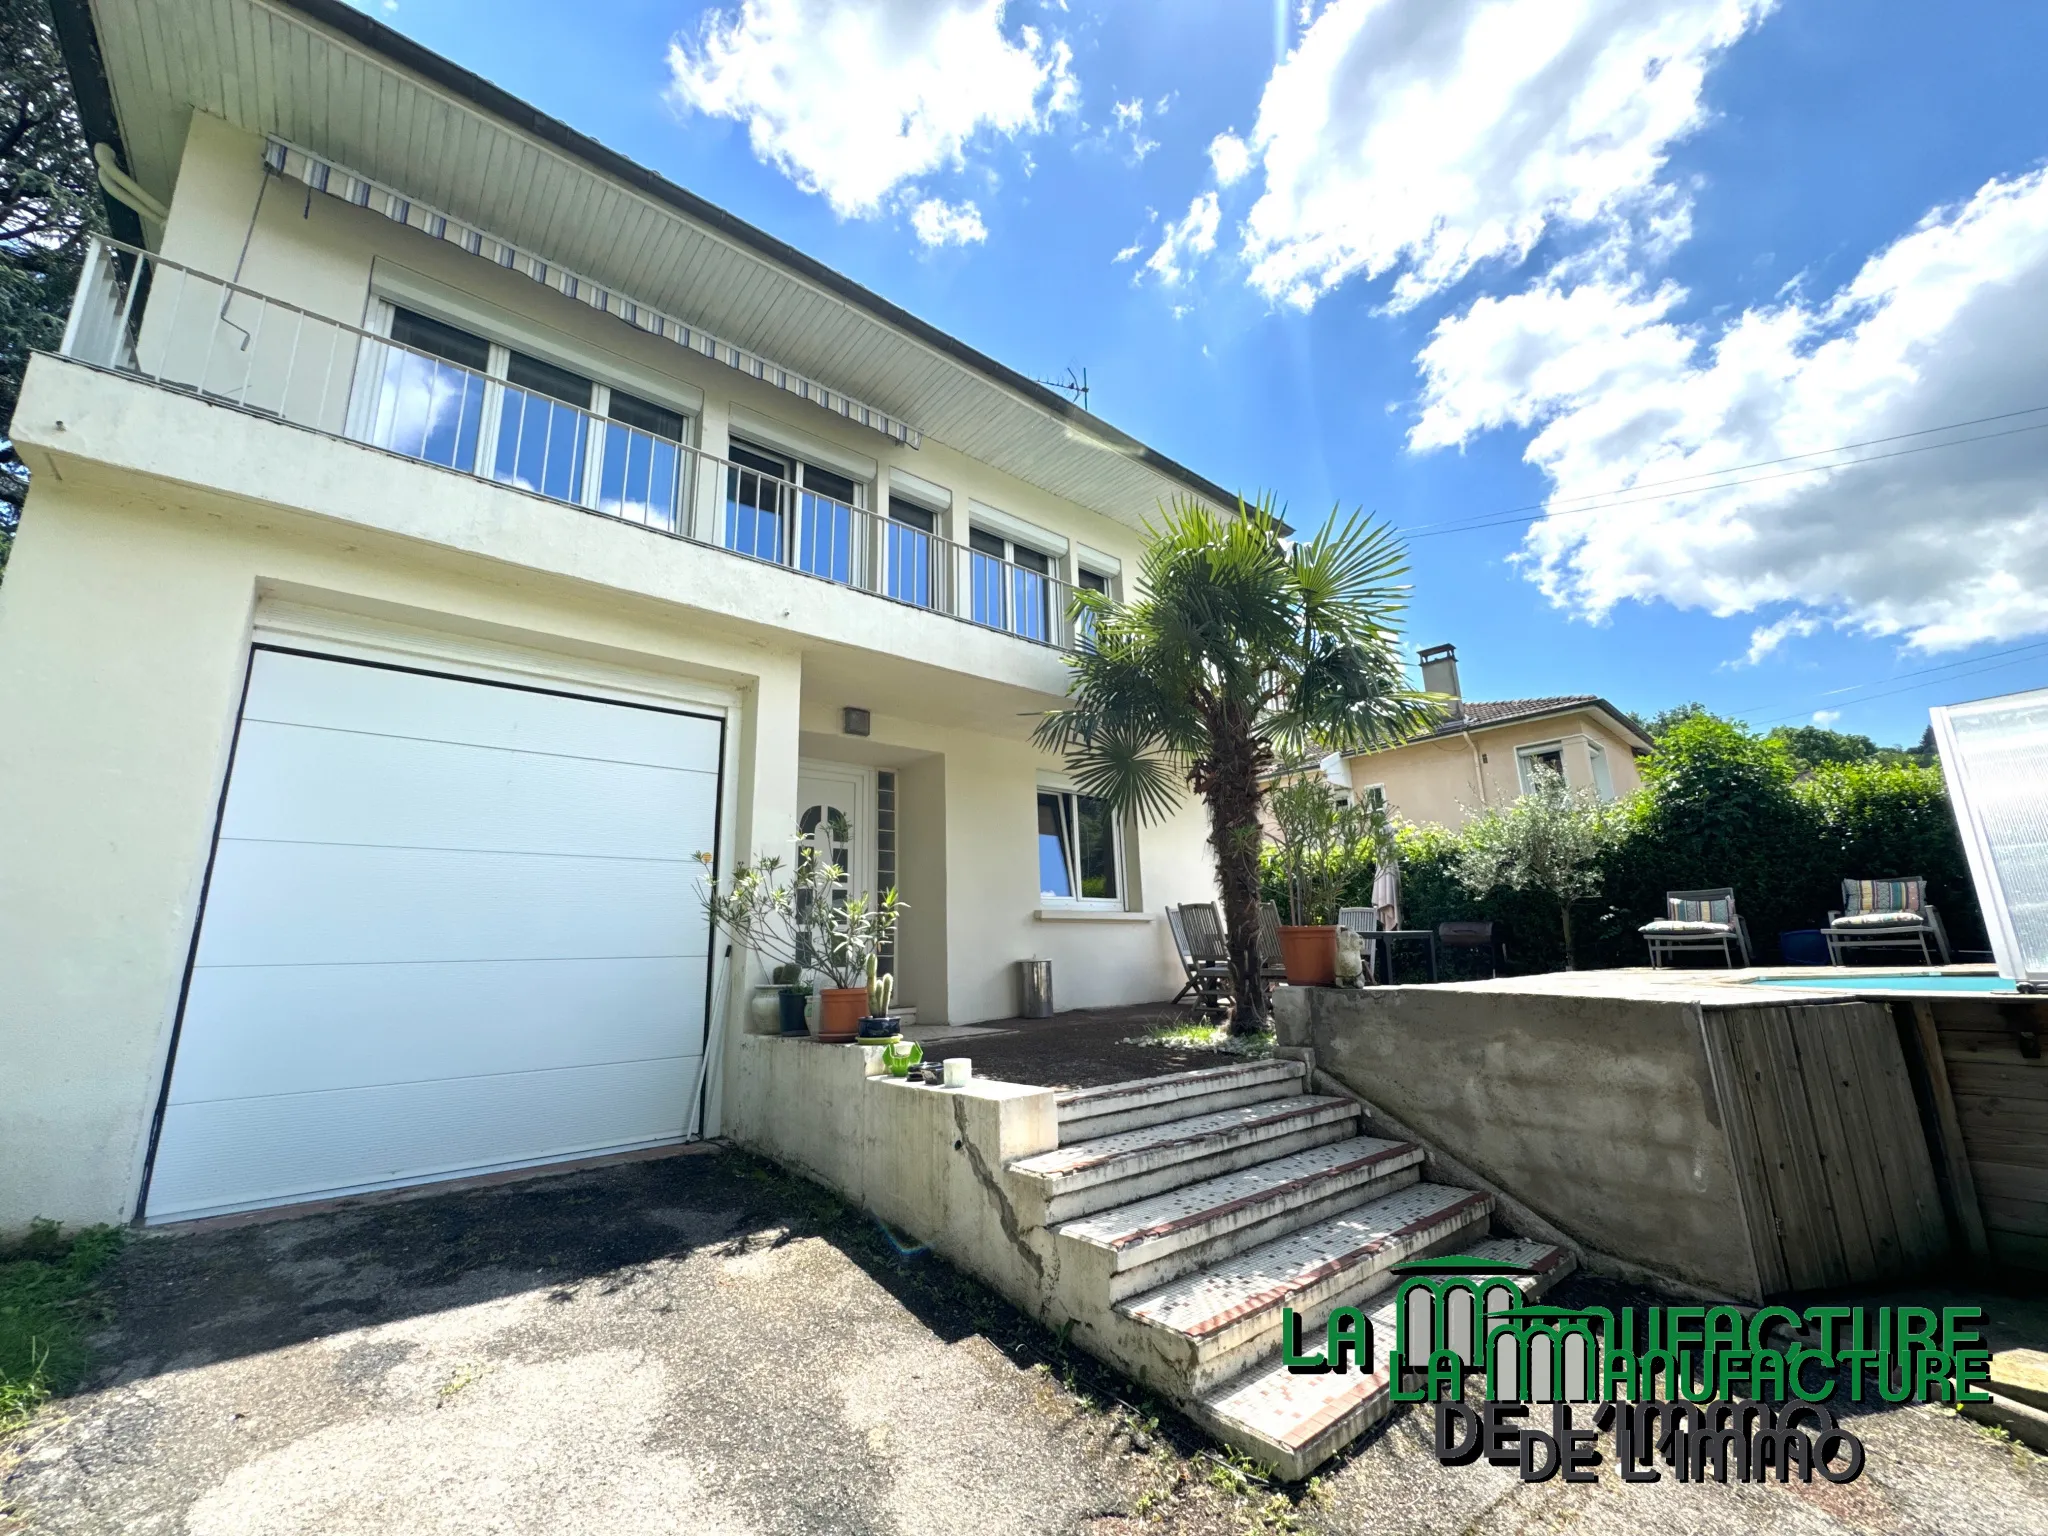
48	1305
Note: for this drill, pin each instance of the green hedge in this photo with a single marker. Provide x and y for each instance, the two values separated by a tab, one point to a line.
1721	807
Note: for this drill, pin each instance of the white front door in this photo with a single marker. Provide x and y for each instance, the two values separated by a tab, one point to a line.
450	927
836	807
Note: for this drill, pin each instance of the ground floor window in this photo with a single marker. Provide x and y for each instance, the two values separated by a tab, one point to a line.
1080	852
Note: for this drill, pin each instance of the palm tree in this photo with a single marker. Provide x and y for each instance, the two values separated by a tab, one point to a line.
1244	652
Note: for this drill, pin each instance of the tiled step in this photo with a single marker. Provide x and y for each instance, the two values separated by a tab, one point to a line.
1228	1315
1113	1170
1151	1241
1295	1423
1089	1113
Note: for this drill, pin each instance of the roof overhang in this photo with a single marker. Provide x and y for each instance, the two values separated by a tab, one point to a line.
1623	726
322	75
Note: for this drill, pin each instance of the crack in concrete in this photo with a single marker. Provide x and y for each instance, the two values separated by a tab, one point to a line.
990	1179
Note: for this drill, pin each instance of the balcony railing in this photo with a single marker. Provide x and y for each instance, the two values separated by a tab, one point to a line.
183	330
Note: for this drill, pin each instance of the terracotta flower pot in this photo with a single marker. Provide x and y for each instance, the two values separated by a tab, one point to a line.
1310	955
839	1012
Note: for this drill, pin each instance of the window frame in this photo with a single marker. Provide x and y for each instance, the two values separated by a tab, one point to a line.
1070	799
1603	773
385	305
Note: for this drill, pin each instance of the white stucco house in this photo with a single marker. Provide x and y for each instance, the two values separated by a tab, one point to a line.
442	531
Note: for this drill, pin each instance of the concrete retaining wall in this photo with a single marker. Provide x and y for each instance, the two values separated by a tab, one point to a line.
1598	1113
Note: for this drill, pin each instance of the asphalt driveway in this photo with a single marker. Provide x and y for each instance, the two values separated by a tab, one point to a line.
704	1344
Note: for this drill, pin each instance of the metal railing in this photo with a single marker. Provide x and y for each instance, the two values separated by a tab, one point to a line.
138	314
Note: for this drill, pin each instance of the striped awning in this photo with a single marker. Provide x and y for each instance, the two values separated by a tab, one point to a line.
321	175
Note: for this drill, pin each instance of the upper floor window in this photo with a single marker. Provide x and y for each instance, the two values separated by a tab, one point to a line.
1010	584
1091	581
911	553
451	397
780	508
1530	760
1603	778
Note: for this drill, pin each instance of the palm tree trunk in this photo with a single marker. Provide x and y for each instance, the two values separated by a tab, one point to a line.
1231	786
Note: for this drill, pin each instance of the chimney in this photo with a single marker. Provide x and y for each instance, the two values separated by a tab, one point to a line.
1440	675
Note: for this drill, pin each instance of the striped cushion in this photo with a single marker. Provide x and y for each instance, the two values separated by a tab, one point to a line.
1682	911
1883	896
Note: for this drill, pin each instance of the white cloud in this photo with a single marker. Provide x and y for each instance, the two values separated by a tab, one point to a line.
1424	137
854	98
1129	114
1230	157
1826	716
1194	235
1949	323
1765	639
938	222
1128	253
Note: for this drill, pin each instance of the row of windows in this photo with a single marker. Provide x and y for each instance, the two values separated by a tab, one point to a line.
544	428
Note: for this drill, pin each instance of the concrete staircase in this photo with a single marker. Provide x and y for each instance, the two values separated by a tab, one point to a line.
1187	1211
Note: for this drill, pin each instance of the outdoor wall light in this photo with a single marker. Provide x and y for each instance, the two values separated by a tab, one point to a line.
856	721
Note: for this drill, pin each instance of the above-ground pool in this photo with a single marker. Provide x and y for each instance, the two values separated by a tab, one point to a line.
1931	981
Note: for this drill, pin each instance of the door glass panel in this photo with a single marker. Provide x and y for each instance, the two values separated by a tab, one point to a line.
755	495
430	407
543	428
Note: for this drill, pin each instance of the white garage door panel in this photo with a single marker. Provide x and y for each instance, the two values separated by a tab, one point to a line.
253	1030
303	690
300	904
450	927
311	785
239	1154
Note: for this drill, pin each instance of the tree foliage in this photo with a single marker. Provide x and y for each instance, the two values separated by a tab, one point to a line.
49	203
1550	841
1721	806
1243	651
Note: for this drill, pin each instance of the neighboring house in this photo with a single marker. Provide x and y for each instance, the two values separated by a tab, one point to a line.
1483	752
389	631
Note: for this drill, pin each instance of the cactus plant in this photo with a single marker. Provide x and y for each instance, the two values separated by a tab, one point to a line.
881	990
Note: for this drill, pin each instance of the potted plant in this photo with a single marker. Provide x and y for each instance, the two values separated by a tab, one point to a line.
1324	846
793	995
876	1027
804	921
848	935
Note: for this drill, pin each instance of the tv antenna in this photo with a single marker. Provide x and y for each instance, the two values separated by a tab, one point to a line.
1073	385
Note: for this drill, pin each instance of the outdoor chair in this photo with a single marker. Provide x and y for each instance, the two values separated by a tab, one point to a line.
1475	934
1698	920
1365	922
1272	964
1887	914
1205	954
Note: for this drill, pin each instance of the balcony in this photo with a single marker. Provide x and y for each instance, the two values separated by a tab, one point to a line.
182	330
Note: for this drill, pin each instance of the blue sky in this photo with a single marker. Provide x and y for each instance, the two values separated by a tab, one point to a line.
1538	264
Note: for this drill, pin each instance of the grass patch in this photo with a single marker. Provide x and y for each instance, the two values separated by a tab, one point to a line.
47	1306
1194	1035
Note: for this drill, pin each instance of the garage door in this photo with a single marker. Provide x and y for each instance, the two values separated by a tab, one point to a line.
451	927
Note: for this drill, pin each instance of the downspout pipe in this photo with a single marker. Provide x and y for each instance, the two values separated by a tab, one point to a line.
124	189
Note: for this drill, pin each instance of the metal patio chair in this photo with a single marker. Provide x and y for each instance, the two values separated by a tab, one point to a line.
1887	914
1695	920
